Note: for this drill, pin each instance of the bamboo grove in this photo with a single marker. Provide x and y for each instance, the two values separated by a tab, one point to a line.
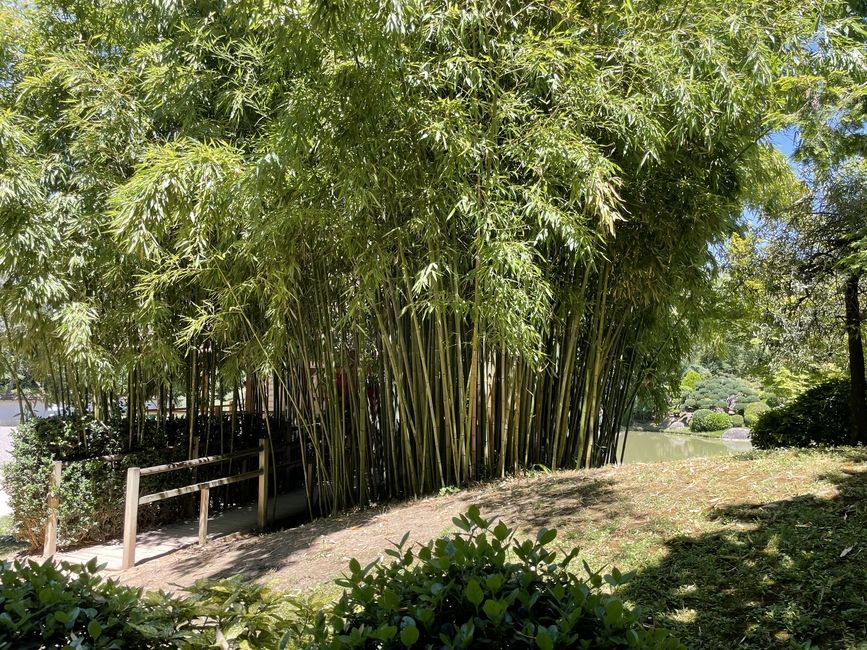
444	240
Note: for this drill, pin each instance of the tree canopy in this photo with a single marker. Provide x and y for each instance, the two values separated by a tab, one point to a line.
462	237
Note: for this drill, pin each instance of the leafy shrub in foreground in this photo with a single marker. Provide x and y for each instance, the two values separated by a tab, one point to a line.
753	411
707	420
466	591
64	606
820	416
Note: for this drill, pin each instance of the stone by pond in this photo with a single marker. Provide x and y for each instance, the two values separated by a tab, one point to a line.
736	433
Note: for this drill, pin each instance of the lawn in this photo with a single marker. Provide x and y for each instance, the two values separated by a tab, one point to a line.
759	550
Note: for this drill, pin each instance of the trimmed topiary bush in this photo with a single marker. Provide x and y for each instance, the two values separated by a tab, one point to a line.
705	420
753	411
820	416
714	392
481	589
736	420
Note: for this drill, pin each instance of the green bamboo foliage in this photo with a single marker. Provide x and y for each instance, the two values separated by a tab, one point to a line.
443	241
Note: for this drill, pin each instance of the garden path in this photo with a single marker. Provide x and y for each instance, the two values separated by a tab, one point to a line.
156	543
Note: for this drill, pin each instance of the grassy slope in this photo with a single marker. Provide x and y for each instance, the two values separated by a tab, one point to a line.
760	553
762	550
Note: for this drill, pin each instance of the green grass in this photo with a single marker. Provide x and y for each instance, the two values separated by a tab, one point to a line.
766	550
780	573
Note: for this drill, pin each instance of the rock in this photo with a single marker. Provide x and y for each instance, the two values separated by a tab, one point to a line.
677	424
736	433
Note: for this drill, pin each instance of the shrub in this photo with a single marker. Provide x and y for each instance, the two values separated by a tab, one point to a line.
690	380
714	392
737	420
774	401
70	606
817	417
91	491
706	420
62	605
481	589
753	411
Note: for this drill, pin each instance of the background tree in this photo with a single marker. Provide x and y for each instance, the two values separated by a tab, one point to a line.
442	241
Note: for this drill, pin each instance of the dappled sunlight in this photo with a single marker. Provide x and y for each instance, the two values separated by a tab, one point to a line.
795	575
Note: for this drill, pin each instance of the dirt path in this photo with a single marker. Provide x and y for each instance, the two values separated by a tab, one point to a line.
307	556
620	515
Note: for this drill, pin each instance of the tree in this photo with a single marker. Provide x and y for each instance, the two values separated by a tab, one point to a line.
462	238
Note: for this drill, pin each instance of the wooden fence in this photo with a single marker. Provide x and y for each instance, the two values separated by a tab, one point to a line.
134	499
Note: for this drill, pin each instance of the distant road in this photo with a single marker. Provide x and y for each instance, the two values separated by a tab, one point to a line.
5	444
5	449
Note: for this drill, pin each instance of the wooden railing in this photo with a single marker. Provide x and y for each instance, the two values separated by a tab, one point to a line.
134	500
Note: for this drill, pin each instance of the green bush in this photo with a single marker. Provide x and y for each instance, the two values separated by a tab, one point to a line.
753	411
690	380
736	420
707	420
820	416
481	589
91	491
774	401
62	605
714	392
66	606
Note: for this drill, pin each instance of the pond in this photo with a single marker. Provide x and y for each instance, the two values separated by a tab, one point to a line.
656	447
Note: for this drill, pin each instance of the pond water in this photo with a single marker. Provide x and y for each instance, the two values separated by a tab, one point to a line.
655	447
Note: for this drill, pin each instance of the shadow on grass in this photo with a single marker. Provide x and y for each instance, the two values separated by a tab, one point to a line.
784	574
315	553
554	501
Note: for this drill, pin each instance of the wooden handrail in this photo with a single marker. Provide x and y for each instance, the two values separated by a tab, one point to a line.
134	500
195	462
195	487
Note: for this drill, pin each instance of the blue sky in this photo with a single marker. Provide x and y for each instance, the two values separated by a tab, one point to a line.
784	141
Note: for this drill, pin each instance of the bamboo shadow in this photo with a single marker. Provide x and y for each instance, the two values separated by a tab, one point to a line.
300	554
563	500
785	574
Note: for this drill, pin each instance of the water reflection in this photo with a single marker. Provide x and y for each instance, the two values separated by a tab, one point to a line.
653	447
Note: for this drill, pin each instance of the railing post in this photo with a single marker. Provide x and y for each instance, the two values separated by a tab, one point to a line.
130	516
50	546
204	502
263	483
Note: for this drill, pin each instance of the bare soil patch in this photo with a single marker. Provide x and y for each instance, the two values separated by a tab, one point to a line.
618	516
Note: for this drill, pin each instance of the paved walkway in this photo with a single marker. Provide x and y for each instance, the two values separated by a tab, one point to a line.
155	543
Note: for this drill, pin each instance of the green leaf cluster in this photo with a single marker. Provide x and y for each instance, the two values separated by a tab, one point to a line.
818	417
482	588
705	420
